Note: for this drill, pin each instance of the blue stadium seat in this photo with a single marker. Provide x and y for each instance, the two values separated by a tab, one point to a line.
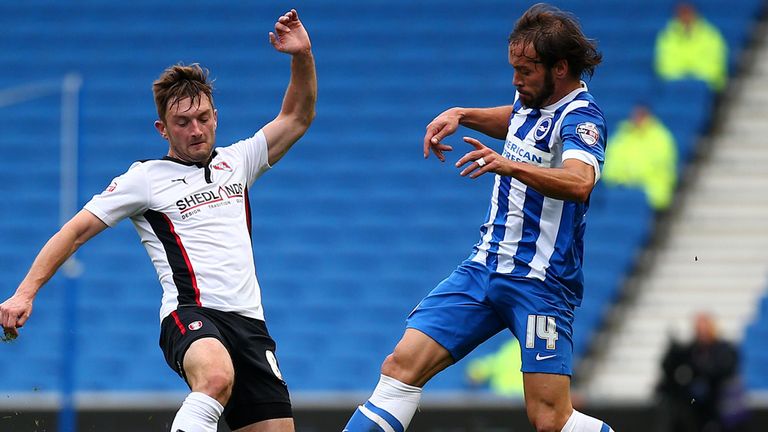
353	227
755	350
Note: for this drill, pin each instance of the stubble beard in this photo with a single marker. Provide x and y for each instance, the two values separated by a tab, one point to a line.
547	91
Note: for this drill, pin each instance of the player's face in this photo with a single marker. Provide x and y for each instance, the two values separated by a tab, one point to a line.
534	82
190	129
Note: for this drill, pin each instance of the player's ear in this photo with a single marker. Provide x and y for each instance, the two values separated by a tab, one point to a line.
160	126
561	69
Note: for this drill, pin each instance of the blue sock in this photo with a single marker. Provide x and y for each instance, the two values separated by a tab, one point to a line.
389	409
370	418
360	423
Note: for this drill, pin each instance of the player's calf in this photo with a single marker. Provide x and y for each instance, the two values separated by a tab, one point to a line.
549	408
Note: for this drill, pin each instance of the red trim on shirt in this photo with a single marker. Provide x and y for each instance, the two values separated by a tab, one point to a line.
186	260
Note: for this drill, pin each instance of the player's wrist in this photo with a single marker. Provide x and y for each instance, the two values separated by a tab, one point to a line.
26	292
510	168
304	54
460	113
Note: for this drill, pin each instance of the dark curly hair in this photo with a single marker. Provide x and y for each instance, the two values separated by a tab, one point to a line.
556	35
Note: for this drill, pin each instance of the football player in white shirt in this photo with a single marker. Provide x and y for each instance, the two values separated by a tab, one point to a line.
213	332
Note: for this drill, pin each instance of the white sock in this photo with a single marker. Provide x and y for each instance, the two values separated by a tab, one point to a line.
579	422
398	399
198	413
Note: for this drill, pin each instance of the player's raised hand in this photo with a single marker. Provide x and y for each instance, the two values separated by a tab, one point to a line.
14	312
443	125
481	160
290	36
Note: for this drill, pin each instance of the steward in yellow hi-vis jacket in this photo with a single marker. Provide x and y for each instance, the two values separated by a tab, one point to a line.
691	47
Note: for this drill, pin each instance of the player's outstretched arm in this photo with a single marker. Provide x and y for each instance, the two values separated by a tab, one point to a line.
490	121
15	311
573	182
298	109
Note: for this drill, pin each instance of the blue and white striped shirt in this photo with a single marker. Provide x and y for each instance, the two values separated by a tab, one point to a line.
527	234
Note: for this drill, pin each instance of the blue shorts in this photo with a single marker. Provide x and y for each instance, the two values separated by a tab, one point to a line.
474	303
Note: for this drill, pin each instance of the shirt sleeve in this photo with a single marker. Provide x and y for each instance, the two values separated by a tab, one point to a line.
253	153
126	196
584	135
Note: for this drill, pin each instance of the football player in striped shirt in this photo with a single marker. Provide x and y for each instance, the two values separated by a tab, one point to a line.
525	272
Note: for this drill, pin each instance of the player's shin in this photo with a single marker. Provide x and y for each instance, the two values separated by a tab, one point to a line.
390	408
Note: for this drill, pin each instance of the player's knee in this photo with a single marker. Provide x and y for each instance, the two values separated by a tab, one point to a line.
544	422
217	384
398	366
545	417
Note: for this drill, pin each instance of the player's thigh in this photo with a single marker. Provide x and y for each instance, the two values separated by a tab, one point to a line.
540	319
547	399
273	425
457	314
208	365
194	329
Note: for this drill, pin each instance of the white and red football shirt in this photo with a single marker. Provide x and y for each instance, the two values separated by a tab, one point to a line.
195	222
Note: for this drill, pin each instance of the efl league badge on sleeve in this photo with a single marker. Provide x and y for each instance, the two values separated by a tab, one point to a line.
588	133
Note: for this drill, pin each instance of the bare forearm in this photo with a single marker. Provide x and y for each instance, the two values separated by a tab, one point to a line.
58	249
493	122
555	183
300	97
298	109
15	311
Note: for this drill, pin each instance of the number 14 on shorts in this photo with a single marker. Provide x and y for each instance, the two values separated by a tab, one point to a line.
543	327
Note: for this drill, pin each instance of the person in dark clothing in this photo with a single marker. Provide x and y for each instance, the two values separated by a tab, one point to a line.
695	378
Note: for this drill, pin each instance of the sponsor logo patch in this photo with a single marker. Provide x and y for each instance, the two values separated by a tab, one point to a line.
195	325
588	133
234	190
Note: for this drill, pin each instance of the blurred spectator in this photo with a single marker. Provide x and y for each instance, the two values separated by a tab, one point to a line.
500	370
643	153
691	47
700	390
